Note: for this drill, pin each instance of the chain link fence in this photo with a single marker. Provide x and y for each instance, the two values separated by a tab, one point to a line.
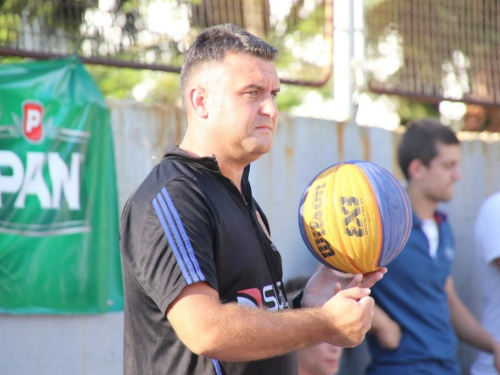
423	49
154	34
434	50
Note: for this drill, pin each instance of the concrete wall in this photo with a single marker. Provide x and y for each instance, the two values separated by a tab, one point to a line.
92	345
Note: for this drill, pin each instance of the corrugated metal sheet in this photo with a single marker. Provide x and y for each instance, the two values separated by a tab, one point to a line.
141	133
302	148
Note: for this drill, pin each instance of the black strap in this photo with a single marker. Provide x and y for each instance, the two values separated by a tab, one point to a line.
297	300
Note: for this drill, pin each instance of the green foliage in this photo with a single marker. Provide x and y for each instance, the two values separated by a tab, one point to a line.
166	90
8	22
290	96
299	31
118	83
114	82
409	110
66	14
10	59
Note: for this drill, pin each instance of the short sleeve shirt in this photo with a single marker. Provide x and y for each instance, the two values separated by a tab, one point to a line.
412	293
187	223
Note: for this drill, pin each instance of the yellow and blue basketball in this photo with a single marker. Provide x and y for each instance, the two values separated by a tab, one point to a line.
355	217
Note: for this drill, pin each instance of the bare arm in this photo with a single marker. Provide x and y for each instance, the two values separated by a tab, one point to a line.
231	332
467	327
387	330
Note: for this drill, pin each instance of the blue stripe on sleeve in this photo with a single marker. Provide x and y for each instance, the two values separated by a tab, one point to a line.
184	235
177	238
216	363
171	241
174	230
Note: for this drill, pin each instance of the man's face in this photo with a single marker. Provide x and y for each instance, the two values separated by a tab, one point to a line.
242	112
438	179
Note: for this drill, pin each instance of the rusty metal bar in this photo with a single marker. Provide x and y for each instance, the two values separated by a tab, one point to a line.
38	51
5	51
429	98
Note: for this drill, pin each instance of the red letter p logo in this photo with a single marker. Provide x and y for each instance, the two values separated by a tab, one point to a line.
32	121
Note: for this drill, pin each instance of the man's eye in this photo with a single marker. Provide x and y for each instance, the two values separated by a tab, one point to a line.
274	94
252	93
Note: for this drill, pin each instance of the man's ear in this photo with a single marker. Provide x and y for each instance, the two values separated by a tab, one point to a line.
198	100
415	169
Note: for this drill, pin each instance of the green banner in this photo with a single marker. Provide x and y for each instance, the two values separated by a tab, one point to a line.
59	245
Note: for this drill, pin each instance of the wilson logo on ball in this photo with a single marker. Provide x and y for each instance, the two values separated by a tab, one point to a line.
355	217
316	224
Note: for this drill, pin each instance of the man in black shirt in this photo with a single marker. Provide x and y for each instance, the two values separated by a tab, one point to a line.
203	280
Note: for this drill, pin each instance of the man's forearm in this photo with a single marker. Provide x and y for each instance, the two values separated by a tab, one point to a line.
238	333
231	332
466	325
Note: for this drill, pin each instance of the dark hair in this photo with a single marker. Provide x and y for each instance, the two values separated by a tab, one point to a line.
419	142
216	42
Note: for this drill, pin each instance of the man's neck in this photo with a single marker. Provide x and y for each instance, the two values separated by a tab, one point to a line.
232	171
422	206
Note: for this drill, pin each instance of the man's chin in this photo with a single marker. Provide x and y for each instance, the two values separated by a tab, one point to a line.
447	197
261	148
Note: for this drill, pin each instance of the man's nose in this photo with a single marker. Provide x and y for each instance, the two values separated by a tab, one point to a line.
269	107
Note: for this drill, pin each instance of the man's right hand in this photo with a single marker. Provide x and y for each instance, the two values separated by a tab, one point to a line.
234	333
351	313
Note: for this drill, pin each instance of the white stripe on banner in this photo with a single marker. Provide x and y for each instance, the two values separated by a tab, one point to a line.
177	238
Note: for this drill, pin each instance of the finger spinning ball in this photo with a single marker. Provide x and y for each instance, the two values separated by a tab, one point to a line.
355	217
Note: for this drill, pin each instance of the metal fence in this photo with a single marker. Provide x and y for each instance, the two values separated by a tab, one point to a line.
423	49
431	50
154	34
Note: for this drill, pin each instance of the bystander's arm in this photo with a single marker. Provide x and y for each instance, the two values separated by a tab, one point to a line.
467	326
386	330
497	263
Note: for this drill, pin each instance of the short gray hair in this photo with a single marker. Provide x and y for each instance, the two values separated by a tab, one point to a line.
216	42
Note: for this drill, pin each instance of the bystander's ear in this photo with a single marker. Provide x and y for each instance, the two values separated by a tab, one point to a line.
198	101
415	169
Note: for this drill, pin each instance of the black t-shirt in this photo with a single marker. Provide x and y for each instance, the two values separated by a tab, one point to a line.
188	223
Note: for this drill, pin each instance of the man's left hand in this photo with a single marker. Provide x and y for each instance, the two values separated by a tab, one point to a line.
325	283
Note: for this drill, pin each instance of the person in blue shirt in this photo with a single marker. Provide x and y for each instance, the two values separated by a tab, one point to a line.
418	314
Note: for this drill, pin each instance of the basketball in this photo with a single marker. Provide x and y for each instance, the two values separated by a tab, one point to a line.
355	217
